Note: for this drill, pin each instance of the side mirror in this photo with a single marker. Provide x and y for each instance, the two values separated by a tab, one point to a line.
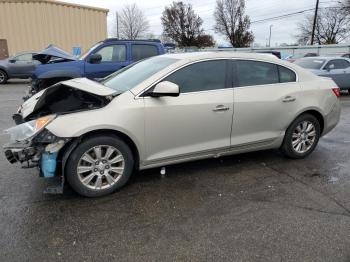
12	61
95	59
165	88
330	67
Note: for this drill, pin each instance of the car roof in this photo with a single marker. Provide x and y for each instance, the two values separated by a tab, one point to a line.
221	54
326	57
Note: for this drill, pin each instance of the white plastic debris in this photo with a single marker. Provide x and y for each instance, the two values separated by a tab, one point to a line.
162	171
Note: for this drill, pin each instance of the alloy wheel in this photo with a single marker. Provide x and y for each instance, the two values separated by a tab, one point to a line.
304	137
100	167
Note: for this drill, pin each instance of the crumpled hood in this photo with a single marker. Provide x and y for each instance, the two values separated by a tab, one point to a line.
89	86
52	52
82	84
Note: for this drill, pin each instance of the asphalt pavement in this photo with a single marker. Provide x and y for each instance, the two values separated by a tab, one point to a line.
250	207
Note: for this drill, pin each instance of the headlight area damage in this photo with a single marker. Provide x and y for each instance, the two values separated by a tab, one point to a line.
65	97
32	145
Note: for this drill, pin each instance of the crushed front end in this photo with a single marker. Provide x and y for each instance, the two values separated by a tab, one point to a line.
32	146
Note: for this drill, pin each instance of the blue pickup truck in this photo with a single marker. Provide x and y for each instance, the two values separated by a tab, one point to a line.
101	60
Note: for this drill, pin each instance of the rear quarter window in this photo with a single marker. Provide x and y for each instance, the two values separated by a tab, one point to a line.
286	75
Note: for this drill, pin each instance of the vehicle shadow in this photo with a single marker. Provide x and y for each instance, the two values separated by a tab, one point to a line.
178	175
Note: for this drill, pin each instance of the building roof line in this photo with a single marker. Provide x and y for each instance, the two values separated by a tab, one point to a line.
58	3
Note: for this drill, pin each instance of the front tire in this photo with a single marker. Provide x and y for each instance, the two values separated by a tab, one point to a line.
301	137
99	166
3	77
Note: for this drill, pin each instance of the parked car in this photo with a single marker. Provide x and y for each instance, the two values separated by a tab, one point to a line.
170	109
337	68
295	57
275	53
346	55
20	65
101	60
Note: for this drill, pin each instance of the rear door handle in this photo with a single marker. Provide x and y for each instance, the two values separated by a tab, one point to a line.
220	108
289	99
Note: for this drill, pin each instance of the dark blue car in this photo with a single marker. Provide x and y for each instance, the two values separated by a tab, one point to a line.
101	60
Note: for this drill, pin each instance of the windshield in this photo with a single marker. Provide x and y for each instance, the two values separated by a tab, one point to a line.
310	63
136	73
83	56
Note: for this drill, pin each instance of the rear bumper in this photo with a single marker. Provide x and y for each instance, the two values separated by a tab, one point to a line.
332	118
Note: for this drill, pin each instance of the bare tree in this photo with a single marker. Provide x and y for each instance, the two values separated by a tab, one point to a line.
181	24
332	26
132	22
233	23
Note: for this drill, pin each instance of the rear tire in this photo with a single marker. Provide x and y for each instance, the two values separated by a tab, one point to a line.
3	77
301	137
99	166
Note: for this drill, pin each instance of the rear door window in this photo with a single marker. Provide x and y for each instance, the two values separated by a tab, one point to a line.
251	73
140	52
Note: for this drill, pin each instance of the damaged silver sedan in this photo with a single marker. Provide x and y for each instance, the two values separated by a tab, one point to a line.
171	109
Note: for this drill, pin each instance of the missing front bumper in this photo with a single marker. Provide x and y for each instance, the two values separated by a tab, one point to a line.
22	153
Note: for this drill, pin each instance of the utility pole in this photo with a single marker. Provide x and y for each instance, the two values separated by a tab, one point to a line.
117	20
270	36
314	25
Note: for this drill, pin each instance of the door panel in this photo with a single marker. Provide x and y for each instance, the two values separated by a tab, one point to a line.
22	67
114	57
260	112
340	73
263	111
338	76
187	124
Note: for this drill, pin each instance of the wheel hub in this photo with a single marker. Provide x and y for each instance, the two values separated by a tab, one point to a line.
100	167
303	137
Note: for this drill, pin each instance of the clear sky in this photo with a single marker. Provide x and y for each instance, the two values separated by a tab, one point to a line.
283	30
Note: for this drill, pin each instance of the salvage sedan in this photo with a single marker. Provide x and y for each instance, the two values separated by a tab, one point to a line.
171	109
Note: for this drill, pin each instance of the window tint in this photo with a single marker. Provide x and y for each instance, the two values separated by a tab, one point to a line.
113	53
24	57
200	76
251	73
338	64
286	75
143	51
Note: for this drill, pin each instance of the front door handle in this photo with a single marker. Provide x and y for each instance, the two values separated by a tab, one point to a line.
289	99
220	108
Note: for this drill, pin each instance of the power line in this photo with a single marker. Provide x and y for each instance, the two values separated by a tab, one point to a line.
295	13
282	16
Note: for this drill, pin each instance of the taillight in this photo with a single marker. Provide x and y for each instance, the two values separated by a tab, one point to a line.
336	91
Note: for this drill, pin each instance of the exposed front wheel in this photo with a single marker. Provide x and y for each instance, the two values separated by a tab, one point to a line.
99	166
301	137
3	77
